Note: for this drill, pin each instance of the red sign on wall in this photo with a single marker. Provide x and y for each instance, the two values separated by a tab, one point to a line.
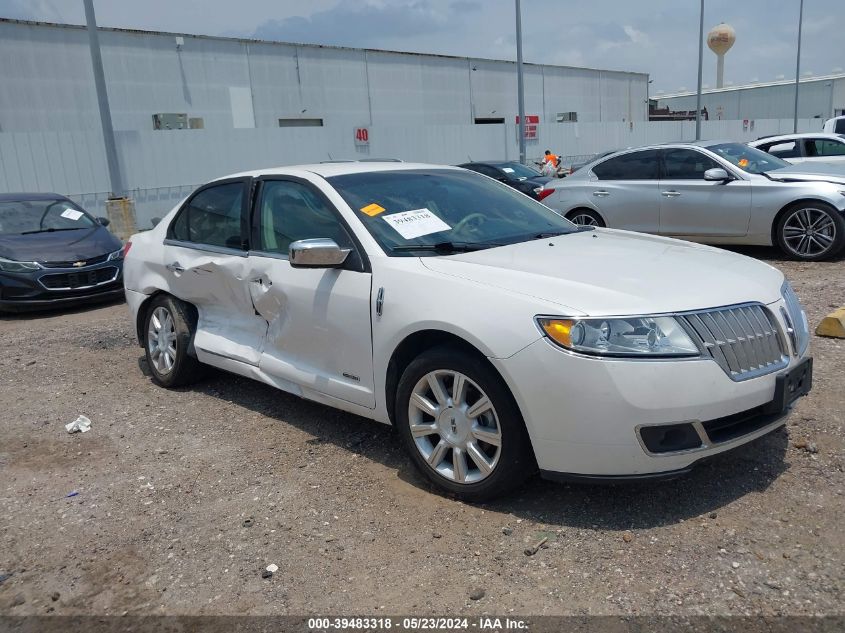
362	136
532	125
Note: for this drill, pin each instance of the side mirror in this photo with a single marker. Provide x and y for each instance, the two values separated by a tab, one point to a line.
104	221
319	252
717	174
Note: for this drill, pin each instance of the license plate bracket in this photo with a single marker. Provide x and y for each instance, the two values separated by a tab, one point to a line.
792	384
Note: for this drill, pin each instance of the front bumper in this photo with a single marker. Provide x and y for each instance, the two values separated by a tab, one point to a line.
584	415
50	287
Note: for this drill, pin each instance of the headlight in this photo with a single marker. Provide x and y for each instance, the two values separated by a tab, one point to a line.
117	254
797	326
9	266
614	336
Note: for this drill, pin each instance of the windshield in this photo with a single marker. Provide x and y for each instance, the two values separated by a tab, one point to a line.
518	170
749	159
403	209
36	216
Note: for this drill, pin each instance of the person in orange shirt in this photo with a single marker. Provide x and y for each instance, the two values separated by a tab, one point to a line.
550	158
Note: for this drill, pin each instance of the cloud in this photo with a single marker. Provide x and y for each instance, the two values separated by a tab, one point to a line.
355	23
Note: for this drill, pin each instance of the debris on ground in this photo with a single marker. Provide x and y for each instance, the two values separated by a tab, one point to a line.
476	594
507	531
530	551
81	424
627	537
272	568
249	522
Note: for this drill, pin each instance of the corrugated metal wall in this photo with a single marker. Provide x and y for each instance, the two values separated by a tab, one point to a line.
161	168
46	83
816	99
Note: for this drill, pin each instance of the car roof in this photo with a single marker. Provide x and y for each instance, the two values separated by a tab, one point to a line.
27	197
790	137
327	170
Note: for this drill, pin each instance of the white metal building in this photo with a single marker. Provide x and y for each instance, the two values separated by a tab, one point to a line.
46	84
818	97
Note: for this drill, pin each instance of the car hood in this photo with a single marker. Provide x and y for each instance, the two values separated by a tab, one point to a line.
610	272
59	246
810	171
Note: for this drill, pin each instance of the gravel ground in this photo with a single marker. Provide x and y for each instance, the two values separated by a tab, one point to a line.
185	496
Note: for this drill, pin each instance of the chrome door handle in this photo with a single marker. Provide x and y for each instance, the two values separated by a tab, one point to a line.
175	267
670	194
601	194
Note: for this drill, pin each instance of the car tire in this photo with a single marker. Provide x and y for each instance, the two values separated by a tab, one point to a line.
168	338
453	438
810	231
585	217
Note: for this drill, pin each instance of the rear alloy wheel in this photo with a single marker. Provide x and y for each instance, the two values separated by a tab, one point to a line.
461	426
168	335
585	217
811	231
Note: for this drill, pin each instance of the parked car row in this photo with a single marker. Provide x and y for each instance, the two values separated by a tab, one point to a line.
500	335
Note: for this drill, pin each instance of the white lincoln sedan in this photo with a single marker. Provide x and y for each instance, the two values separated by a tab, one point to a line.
495	335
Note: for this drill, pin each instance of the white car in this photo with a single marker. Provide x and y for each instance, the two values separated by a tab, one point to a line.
810	147
496	336
835	125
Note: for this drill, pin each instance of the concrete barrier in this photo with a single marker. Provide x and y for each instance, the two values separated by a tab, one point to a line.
833	324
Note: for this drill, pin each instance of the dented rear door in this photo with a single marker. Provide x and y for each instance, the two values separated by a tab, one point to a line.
205	263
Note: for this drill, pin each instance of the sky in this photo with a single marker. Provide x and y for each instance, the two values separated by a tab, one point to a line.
658	37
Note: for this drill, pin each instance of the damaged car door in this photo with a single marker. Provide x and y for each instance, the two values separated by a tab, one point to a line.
205	263
318	318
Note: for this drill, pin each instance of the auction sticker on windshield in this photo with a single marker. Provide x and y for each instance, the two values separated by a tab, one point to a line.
416	223
372	209
71	214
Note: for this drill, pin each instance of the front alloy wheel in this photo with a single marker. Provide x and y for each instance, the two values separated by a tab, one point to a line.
455	426
461	426
811	232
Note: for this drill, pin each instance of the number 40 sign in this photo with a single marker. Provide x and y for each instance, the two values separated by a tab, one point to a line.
362	136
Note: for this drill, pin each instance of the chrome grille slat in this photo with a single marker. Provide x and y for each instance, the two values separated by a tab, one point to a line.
744	340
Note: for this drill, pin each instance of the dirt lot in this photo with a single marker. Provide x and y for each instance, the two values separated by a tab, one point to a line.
185	496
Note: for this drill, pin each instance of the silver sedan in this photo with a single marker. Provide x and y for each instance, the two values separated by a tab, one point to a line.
713	192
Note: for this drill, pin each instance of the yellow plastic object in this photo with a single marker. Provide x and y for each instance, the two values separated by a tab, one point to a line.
833	324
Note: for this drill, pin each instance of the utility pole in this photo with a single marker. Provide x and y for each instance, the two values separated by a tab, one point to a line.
700	60
520	88
103	101
798	66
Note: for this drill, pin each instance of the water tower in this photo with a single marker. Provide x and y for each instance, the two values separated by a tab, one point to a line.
720	39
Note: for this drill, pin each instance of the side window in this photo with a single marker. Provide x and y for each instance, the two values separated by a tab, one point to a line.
633	166
212	217
290	211
839	128
686	164
825	147
787	149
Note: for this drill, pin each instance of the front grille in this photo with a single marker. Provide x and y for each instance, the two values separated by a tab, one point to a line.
744	340
82	279
70	263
